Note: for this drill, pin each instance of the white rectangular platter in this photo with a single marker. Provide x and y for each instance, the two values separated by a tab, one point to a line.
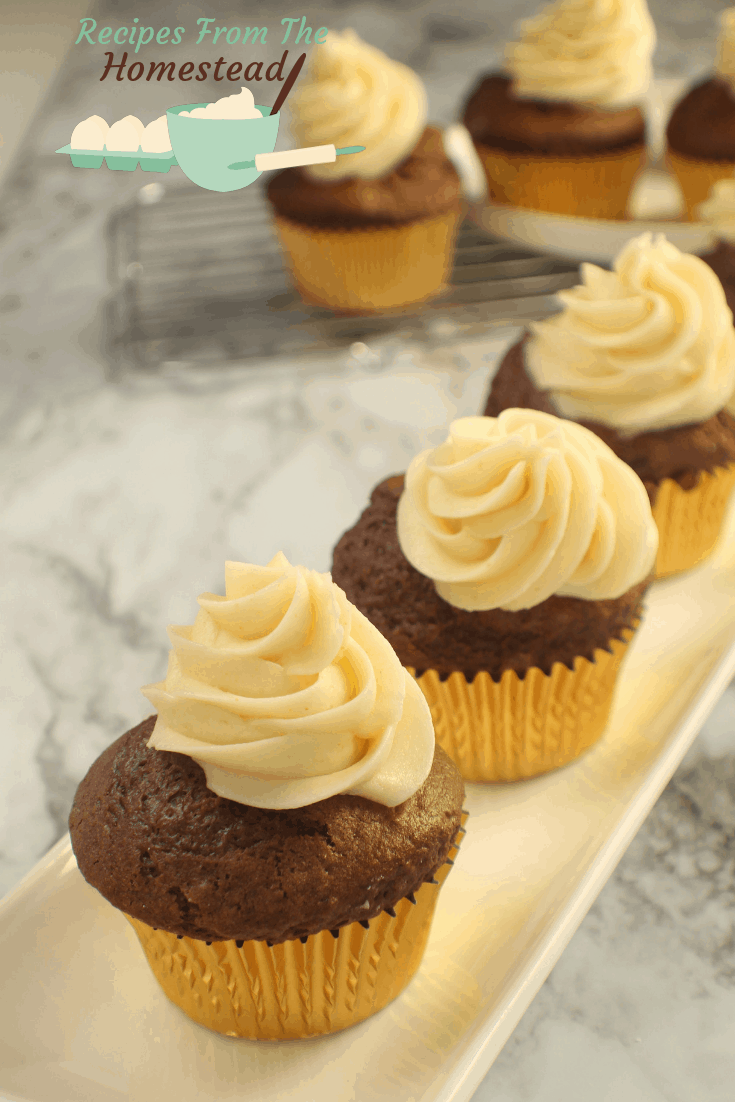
81	1017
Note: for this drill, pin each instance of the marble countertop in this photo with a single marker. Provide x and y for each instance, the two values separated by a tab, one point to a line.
122	498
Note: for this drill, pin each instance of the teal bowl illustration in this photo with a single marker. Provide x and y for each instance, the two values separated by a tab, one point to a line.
205	148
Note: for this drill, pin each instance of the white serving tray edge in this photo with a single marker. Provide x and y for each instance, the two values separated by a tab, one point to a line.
81	1008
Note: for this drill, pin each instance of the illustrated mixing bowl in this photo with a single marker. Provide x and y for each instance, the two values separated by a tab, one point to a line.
206	148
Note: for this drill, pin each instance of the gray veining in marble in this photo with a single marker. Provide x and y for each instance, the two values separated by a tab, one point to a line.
120	501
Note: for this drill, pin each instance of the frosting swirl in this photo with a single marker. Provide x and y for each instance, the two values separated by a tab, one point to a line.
285	694
511	510
725	56
584	51
719	209
355	95
645	347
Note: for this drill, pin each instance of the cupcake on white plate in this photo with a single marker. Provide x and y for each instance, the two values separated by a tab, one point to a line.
561	128
700	135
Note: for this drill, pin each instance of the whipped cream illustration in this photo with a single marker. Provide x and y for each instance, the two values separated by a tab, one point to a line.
286	695
125	135
511	510
239	106
91	133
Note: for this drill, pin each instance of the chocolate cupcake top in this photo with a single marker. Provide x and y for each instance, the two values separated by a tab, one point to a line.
497	118
354	94
424	184
286	695
680	453
151	836
702	125
646	347
429	633
512	510
584	51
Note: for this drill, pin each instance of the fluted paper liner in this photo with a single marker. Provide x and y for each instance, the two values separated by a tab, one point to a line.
516	728
294	990
689	521
361	271
585	187
696	178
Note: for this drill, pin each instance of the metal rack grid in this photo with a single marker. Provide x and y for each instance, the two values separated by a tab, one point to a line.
198	279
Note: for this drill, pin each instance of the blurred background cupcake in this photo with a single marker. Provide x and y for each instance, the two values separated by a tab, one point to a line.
645	357
373	230
700	134
718	211
508	571
277	834
562	129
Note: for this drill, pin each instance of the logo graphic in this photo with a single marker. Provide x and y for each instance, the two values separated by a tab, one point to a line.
220	146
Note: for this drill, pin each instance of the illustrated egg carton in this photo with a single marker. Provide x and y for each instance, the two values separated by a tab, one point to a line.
120	160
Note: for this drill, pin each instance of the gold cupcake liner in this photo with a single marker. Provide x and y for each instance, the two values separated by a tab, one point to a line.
516	728
696	178
295	990
586	187
689	521
361	271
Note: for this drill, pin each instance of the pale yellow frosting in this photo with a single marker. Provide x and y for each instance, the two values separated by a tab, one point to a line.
355	95
595	52
511	510
285	694
645	347
719	209
725	56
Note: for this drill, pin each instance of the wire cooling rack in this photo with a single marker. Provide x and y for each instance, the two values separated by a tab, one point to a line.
198	279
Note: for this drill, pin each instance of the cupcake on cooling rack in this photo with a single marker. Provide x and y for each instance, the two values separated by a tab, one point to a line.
373	230
700	134
508	571
276	835
645	357
562	130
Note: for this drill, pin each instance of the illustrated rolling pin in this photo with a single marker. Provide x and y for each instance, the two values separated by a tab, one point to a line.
297	158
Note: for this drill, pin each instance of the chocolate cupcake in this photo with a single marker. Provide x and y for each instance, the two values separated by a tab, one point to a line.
277	834
508	572
562	130
374	230
644	356
700	135
718	211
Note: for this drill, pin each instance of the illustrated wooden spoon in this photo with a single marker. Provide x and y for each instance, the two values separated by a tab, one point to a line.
288	84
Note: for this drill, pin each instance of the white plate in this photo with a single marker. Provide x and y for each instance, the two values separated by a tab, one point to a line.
81	1017
654	204
655	199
